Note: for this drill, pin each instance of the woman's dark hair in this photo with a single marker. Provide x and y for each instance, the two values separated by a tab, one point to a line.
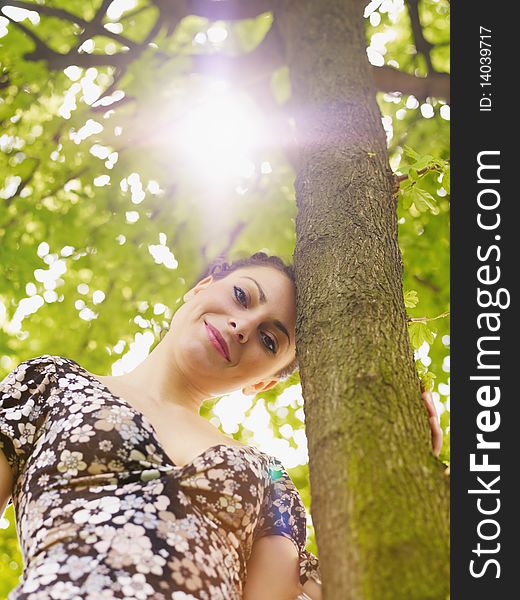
219	269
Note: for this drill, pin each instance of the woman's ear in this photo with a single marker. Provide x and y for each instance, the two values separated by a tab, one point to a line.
203	283
260	386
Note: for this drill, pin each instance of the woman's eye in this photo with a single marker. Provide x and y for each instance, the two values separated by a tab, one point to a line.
269	343
267	340
240	295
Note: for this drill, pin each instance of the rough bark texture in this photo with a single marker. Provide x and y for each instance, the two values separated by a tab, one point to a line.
380	500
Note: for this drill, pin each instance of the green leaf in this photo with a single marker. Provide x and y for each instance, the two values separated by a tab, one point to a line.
426	161
412	174
446	179
411	299
428	381
420	333
406	197
411	153
423	200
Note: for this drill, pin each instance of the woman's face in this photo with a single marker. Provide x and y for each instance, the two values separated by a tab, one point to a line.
236	332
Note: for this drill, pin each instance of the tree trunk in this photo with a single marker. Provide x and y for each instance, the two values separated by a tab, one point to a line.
380	500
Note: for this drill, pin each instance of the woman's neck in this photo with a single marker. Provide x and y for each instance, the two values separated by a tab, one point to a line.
159	378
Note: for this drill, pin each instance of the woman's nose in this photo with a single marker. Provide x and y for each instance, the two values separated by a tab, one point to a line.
241	329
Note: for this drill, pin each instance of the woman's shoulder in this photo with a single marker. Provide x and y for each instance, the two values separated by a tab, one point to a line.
43	367
28	367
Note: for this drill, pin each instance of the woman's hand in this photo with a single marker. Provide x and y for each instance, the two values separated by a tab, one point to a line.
311	589
434	422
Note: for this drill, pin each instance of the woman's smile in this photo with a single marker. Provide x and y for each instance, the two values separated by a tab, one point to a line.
217	340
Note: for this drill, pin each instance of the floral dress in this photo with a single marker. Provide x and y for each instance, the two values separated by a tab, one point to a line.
102	512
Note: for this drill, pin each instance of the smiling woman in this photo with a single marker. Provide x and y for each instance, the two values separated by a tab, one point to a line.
119	484
272	314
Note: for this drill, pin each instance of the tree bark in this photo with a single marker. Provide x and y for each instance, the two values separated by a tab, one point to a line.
380	500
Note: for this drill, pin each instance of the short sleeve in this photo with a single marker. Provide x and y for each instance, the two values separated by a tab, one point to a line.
21	408
283	513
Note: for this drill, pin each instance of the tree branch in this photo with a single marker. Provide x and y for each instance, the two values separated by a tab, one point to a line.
255	65
404	177
422	45
388	79
426	319
427	283
49	11
266	57
41	47
91	28
233	235
229	10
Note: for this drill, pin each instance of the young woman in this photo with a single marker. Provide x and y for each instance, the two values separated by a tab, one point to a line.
122	490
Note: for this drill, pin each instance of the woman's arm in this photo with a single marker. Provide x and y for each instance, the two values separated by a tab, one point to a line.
6	482
273	570
312	589
433	419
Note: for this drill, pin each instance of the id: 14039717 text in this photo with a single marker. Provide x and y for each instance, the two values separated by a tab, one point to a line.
485	103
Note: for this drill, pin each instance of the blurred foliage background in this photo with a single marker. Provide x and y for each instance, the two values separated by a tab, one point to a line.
140	139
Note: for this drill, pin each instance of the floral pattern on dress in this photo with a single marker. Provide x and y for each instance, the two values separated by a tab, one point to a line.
103	513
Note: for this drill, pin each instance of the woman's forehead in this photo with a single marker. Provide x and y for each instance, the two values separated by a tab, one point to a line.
266	280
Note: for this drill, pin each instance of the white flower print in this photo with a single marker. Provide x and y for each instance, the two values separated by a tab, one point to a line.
77	566
63	590
18	413
146	519
185	572
105	445
136	587
151	563
217	474
47	457
74	504
228	504
82	434
132	501
43	480
177	541
129	432
77	401
71	462
162	502
48	499
99	509
128	545
112	417
97	582
41	595
48	572
26	433
106	594
102	537
73	382
15	384
201	558
72	422
237	462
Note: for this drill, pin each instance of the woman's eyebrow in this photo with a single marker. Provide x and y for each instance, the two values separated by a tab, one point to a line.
282	328
263	300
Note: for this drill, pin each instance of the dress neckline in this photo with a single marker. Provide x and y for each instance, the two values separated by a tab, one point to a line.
159	445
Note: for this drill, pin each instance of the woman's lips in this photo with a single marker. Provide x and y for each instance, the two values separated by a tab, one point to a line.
217	340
